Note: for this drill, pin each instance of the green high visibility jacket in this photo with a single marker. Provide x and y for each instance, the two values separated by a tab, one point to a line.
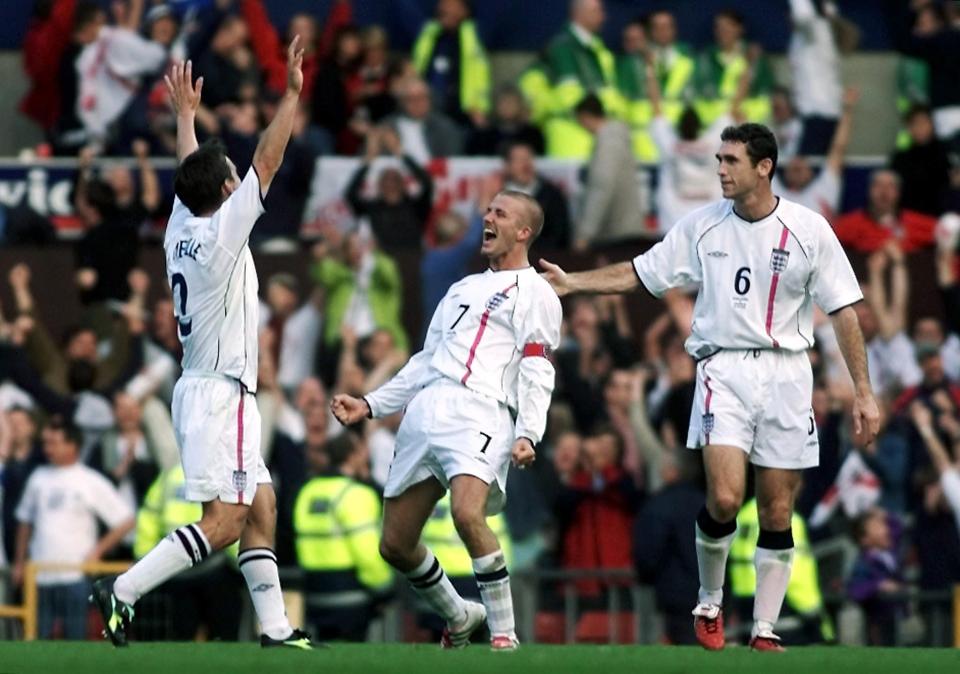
336	522
913	86
803	591
474	65
566	72
440	535
164	509
718	75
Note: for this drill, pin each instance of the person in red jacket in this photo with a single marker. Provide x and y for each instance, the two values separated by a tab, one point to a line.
868	229
271	53
599	502
48	35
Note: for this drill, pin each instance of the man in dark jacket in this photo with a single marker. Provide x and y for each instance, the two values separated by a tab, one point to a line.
520	173
663	549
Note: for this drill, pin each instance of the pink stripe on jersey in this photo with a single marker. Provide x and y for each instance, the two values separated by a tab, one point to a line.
774	282
476	340
240	443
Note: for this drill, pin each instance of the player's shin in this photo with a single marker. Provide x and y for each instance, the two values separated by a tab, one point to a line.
431	584
494	583
259	569
180	550
713	546
773	561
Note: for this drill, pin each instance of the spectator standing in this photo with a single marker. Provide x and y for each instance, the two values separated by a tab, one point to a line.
942	455
58	516
574	64
787	127
520	174
424	132
663	554
227	65
877	575
721	66
923	166
820	194
611	210
296	328
48	37
397	216
449	55
815	72
23	455
445	262
332	105
868	229
510	124
68	132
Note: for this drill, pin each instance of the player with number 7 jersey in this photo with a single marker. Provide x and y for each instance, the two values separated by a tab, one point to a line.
475	397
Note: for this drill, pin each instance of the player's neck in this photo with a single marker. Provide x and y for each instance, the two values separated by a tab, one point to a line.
515	259
756	205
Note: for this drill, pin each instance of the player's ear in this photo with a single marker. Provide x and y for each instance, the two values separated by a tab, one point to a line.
765	167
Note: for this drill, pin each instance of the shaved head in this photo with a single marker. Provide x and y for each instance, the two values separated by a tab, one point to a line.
532	212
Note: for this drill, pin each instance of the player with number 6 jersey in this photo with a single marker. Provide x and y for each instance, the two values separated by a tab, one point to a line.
760	263
475	397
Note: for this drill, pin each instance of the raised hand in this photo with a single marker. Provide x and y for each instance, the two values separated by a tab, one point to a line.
295	66
184	94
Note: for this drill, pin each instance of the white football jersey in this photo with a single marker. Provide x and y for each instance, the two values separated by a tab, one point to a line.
758	280
478	337
214	284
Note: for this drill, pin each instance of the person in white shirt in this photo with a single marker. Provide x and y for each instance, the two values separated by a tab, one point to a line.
821	194
214	283
762	263
484	363
58	515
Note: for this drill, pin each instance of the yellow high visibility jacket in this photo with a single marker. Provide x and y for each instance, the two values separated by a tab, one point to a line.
336	521
440	535
803	591
474	65
164	509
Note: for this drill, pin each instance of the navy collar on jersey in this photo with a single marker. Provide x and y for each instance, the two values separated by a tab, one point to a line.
763	217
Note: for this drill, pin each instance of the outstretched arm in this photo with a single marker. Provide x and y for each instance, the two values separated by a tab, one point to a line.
614	278
841	137
273	142
866	415
185	96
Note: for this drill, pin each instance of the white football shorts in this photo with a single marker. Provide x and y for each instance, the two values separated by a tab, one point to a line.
759	401
449	430
217	425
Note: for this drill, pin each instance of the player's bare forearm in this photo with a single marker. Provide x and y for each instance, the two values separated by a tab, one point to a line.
614	278
186	135
850	340
273	143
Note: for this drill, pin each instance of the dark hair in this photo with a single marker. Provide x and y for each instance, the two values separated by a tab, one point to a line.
731	14
85	13
534	212
590	105
81	374
71	331
689	124
61	423
914	110
199	179
340	448
101	196
508	146
858	527
758	139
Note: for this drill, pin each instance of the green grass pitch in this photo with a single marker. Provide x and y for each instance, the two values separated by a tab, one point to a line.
217	658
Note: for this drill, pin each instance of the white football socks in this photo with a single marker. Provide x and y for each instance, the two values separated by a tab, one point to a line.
712	552
494	583
432	585
259	569
773	562
178	551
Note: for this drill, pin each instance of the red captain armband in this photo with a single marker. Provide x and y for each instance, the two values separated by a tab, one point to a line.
536	351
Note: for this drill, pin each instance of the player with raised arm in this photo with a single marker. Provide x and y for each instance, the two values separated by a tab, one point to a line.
214	284
484	363
761	263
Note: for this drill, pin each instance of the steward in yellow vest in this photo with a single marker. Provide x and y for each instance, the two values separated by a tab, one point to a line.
336	522
449	56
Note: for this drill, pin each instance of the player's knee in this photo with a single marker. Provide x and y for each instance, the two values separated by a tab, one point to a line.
224	529
725	505
468	518
394	551
775	516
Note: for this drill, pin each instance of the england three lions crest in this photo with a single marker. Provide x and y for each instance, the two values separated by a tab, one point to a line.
778	260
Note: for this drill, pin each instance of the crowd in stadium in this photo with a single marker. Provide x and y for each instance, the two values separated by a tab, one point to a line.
613	488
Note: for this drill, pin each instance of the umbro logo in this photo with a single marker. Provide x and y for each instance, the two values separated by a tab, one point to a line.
262	587
717	253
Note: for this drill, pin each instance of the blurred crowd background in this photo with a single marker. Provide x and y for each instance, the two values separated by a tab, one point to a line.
610	117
